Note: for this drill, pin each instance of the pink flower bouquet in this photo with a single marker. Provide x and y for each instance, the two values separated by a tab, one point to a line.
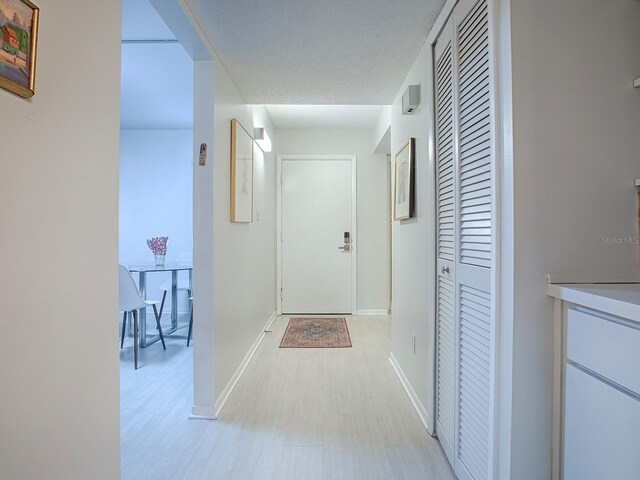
158	245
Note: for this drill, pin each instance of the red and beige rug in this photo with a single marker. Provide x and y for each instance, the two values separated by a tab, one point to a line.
320	332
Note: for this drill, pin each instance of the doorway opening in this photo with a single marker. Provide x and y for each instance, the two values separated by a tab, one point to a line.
167	114
156	173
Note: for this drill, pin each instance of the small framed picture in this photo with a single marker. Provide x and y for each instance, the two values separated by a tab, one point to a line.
18	43
404	196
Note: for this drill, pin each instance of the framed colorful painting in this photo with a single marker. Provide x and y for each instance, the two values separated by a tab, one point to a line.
404	191
18	43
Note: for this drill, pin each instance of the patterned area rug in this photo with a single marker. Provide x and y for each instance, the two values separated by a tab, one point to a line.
317	332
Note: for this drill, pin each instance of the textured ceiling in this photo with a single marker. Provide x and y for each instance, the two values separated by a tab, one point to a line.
352	52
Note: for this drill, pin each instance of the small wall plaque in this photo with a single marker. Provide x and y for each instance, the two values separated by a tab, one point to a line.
203	154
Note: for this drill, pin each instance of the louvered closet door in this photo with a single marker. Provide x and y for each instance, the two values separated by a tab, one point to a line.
474	253
446	292
465	244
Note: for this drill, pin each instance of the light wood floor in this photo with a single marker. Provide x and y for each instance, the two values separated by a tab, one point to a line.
300	414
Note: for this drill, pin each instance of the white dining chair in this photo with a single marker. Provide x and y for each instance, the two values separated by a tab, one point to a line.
183	280
131	302
190	322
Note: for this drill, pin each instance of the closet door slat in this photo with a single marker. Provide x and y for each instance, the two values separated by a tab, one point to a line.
445	178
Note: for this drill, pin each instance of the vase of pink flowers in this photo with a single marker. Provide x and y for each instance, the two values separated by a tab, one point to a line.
158	245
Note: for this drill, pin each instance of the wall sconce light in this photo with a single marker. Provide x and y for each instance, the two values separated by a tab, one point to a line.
262	139
410	99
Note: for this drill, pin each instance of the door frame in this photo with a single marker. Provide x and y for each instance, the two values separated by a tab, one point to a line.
354	223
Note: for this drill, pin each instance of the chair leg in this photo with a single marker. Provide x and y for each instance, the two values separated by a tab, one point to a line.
164	297
135	338
124	331
190	326
155	311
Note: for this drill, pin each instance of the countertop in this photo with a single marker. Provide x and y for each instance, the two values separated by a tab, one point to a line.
620	299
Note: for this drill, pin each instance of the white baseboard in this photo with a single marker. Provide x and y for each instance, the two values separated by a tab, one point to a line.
380	311
224	396
200	412
417	404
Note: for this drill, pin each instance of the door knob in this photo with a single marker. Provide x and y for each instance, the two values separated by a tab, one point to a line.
346	248
444	270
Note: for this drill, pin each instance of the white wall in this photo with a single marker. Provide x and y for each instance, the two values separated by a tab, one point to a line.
203	351
576	155
373	275
244	254
381	133
156	86
156	199
59	290
413	258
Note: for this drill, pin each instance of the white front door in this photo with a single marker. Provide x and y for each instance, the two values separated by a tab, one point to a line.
317	236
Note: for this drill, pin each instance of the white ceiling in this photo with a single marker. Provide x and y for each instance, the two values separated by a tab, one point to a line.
328	64
156	78
324	116
140	21
354	52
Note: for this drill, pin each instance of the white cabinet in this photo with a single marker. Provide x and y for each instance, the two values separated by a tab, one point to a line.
597	382
601	429
607	347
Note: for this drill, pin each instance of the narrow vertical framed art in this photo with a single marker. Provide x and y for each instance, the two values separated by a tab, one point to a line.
241	174
404	191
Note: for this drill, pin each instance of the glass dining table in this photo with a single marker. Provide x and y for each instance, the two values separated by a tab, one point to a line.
142	271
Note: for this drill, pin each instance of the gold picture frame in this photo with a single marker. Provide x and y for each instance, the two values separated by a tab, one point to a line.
18	46
404	187
241	174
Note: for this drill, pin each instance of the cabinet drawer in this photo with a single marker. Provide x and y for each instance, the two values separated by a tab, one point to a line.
605	347
602	430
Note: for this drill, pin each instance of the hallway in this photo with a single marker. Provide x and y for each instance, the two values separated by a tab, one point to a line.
295	414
